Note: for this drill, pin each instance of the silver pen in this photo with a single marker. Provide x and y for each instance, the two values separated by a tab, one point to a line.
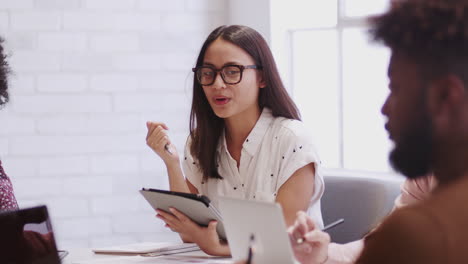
166	147
329	226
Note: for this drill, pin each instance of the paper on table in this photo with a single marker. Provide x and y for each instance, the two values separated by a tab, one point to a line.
165	260
147	247
177	259
171	252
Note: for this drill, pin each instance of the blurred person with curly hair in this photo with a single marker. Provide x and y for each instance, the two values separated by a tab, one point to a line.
7	198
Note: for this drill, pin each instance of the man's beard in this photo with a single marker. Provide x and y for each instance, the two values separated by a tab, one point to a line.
412	156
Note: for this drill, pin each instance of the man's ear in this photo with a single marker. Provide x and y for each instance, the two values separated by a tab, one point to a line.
445	95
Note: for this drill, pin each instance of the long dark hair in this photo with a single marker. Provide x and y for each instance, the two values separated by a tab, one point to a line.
205	126
4	69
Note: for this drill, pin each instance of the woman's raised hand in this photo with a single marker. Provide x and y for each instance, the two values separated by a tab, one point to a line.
158	140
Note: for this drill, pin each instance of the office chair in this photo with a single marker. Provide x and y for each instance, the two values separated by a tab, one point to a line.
362	201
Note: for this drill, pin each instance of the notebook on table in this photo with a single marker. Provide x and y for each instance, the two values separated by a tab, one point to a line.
263	220
27	237
148	249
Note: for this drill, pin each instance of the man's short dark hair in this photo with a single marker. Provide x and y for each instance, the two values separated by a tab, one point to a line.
433	33
4	69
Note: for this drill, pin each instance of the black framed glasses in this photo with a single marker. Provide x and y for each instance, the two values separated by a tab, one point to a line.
231	74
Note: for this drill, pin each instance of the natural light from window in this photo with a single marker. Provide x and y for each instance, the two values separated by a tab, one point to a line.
363	8
340	83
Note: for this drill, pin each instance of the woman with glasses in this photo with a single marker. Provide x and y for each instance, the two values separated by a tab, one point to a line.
246	138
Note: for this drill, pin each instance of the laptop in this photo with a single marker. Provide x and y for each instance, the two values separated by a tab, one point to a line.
27	237
263	220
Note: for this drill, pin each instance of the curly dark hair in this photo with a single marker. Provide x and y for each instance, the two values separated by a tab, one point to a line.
433	33
4	70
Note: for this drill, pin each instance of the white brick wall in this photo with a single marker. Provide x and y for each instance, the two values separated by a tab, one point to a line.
4	21
62	42
3	146
15	4
57	4
115	43
109	4
35	20
108	20
61	83
21	85
35	61
87	75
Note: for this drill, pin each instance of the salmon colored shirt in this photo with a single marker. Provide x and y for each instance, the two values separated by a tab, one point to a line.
412	191
7	198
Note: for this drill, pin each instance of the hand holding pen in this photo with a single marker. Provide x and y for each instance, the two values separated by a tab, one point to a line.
299	241
158	140
309	243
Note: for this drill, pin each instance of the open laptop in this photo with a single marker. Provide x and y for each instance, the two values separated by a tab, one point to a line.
265	221
27	237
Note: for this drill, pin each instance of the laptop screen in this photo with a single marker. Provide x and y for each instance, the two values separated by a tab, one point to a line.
27	237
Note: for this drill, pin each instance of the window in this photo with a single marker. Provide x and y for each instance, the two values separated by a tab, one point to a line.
362	8
336	76
339	82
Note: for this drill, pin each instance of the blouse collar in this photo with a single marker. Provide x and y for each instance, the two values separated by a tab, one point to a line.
255	137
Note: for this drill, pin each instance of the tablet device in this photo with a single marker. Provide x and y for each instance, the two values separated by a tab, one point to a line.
197	207
263	220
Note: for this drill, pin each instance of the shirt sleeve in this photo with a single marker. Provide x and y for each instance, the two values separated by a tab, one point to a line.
190	168
415	190
7	197
297	151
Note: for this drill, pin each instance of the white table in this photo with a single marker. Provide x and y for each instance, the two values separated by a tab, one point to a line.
86	256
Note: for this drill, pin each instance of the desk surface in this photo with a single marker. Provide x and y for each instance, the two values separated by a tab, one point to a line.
86	256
